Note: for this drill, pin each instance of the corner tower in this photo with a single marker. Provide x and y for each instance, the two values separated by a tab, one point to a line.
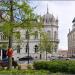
51	27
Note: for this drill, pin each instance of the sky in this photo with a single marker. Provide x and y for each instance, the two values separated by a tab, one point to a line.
64	10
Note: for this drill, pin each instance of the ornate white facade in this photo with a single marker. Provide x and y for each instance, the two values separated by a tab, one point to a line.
50	27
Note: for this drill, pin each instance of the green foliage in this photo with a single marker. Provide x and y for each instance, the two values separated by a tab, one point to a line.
71	67
16	15
7	27
56	66
16	35
4	46
24	17
29	66
24	72
45	43
59	74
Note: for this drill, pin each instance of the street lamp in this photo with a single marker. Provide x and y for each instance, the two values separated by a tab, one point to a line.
27	36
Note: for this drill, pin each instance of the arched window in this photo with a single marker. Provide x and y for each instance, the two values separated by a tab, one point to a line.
49	34
36	48
55	35
36	34
46	20
4	37
18	48
27	35
26	49
43	19
55	48
1	36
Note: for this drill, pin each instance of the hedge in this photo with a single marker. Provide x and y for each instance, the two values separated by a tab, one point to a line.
66	66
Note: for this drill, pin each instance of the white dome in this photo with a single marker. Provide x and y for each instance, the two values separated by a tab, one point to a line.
48	17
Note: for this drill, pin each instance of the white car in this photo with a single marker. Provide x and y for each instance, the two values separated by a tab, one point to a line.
54	58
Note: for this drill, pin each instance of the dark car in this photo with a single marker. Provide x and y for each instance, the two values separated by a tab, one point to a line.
26	58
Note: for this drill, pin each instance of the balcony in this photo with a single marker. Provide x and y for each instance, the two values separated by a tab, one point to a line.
55	40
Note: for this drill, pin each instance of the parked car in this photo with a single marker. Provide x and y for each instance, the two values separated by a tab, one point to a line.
54	58
26	58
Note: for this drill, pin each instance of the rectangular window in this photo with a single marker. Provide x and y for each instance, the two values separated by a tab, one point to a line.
27	35
18	48
26	49
36	35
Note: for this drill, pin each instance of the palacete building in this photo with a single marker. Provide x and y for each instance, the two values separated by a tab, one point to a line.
20	49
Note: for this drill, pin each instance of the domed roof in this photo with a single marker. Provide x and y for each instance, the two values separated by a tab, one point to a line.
49	17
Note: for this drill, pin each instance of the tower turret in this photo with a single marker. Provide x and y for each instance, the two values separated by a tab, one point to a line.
47	9
73	26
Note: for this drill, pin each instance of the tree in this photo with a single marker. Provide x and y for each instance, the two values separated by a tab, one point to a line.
45	44
14	16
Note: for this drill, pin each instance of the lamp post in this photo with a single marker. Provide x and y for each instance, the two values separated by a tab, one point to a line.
27	36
